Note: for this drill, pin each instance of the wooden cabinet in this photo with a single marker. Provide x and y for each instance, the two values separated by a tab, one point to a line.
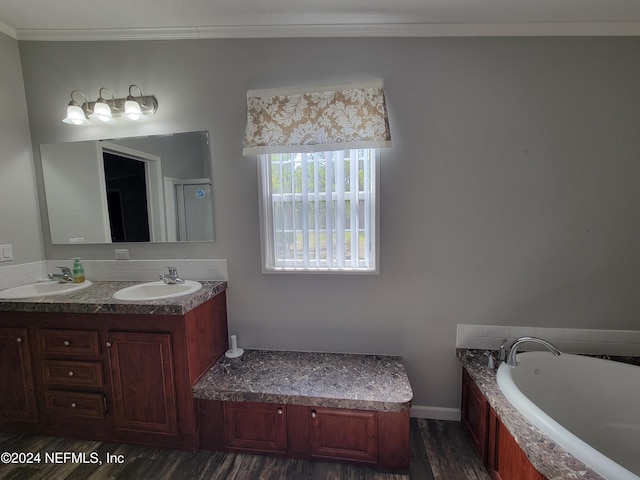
17	394
142	381
501	455
255	427
506	460
108	377
475	415
297	431
344	434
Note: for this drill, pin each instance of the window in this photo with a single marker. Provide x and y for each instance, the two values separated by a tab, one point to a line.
319	211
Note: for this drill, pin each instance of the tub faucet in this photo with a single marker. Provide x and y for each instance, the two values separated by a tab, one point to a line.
171	277
64	277
513	350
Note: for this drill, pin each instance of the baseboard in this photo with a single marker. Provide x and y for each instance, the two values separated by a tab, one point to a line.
436	413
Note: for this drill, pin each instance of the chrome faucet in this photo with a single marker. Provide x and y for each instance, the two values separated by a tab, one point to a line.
66	276
513	350
171	277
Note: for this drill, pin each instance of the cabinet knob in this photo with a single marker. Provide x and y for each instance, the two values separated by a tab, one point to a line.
19	340
108	344
66	343
279	411
313	414
71	374
73	405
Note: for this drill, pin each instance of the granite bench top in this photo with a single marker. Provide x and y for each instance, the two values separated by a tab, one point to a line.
554	462
98	298
362	382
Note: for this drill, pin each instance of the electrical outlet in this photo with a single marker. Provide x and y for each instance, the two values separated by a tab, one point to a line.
6	253
122	254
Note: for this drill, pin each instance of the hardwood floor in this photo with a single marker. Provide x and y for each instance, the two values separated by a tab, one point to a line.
439	450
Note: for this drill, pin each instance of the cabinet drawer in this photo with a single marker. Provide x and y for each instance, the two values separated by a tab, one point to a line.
61	372
69	342
76	404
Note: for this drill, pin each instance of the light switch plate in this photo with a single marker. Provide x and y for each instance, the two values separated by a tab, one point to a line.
6	253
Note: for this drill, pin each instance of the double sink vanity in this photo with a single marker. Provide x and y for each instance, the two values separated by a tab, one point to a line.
144	363
84	364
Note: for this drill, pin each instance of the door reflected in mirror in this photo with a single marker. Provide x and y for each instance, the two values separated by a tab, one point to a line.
138	189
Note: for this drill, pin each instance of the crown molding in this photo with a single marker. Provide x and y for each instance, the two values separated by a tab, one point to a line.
4	28
107	34
425	30
318	31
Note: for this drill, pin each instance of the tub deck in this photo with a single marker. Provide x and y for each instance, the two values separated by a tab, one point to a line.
545	455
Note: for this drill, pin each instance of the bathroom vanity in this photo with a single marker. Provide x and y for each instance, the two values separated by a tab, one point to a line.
86	366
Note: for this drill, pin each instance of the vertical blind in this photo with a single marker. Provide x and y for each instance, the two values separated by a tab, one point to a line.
316	119
322	210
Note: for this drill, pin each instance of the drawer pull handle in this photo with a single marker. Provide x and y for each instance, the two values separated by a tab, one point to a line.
108	344
279	411
19	340
313	414
71	374
73	405
66	343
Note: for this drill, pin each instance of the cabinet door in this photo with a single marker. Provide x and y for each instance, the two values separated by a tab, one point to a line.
17	395
475	415
344	434
259	427
142	377
505	458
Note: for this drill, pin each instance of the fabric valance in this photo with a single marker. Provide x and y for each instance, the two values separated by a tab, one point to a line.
338	117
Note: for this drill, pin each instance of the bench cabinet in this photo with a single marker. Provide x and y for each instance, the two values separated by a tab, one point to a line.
376	438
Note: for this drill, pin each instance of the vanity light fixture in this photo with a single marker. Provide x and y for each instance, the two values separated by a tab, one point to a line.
107	111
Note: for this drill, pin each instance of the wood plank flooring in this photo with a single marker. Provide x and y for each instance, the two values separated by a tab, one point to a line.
440	450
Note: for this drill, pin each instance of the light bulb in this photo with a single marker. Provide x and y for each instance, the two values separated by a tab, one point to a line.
102	113
132	111
75	115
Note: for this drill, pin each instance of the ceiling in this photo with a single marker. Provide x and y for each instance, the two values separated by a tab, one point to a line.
158	19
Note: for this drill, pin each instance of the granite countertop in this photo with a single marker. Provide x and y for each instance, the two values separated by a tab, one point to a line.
97	298
363	382
547	457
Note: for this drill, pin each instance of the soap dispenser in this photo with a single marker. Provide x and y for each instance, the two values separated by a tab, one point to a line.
78	271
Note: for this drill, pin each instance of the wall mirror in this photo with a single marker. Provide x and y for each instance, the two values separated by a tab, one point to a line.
137	189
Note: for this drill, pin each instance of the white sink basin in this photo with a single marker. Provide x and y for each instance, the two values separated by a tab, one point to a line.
157	290
42	289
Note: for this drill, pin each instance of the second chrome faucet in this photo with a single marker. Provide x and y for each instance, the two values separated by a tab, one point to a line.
171	277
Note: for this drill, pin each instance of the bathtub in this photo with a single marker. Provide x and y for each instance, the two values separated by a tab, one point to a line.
588	406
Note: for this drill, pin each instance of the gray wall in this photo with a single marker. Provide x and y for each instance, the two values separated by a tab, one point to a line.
510	195
19	217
